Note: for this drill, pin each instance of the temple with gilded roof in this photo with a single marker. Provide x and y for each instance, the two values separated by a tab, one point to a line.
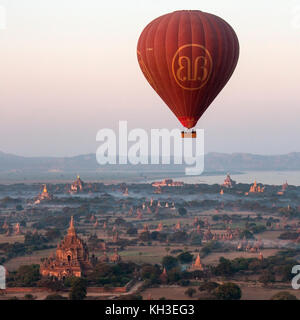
71	257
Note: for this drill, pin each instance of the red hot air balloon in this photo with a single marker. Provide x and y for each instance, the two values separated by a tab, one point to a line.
188	57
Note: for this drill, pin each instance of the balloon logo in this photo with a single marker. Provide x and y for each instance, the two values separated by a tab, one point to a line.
188	57
192	74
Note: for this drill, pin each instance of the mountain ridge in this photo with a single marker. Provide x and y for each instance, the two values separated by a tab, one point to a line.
214	161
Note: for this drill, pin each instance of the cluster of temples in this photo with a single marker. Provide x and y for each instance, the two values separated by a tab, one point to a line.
9	230
250	246
195	266
256	188
167	183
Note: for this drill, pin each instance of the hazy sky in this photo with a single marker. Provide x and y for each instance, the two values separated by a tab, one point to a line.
68	68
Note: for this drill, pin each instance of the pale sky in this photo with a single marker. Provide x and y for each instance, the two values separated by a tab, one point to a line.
68	68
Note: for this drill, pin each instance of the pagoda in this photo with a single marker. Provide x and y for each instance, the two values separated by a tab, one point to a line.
77	185
45	195
164	276
96	224
115	258
159	227
178	226
151	202
5	225
116	237
71	258
285	186
139	214
17	229
228	182
158	190
197	265
283	189
146	228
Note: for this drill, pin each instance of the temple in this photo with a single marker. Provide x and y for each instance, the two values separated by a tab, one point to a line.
115	258
45	195
178	226
159	227
197	265
77	186
17	229
255	188
71	259
284	188
228	182
167	183
125	193
157	190
164	276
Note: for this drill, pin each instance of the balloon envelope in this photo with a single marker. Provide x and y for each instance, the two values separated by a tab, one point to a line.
188	57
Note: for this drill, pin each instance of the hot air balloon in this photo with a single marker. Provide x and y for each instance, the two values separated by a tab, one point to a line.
188	57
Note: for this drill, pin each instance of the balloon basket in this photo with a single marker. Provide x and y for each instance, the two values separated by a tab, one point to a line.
192	134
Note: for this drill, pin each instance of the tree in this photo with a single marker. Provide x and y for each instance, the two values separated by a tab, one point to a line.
190	292
185	257
55	297
27	276
132	231
224	268
53	285
178	236
284	295
228	291
145	236
150	272
246	234
52	234
208	286
182	211
78	290
266	277
169	262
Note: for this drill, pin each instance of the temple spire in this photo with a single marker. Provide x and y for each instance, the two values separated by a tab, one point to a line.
71	230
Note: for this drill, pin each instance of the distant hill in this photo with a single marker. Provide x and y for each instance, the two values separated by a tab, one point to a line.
249	162
214	162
